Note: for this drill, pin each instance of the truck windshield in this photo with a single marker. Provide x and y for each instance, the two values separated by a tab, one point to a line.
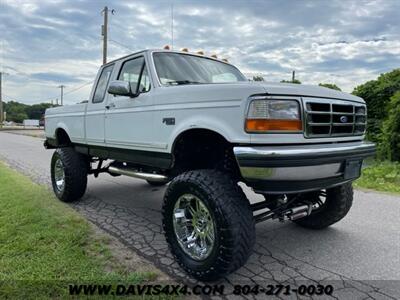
179	69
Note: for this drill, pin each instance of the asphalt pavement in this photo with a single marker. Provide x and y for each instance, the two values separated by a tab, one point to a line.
360	255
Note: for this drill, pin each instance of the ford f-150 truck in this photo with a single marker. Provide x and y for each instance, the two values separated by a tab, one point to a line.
196	123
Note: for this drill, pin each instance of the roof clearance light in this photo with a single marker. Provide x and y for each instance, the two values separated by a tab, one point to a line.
225	60
185	50
214	56
166	47
200	52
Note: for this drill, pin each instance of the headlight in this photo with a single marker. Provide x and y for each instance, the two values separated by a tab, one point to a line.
273	115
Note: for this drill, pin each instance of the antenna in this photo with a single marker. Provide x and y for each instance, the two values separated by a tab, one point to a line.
172	26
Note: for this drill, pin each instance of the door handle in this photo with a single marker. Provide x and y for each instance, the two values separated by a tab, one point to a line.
110	105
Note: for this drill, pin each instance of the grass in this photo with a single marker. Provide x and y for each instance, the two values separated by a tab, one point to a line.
45	245
380	176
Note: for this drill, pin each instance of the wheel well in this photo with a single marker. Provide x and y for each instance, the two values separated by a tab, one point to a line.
202	149
62	138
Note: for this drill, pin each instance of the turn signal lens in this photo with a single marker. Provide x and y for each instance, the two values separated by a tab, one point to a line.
262	125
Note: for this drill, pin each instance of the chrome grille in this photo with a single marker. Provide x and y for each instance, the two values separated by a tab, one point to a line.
335	118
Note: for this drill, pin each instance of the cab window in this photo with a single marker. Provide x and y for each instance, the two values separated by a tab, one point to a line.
134	70
102	84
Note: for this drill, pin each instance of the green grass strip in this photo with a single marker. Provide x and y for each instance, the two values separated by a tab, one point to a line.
380	176
45	244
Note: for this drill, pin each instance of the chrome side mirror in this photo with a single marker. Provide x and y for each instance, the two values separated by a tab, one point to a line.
121	88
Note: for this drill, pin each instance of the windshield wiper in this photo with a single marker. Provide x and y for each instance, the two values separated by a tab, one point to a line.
181	82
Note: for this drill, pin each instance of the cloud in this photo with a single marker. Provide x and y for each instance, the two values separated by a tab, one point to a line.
47	43
54	77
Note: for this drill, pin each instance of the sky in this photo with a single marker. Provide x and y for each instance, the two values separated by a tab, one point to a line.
47	43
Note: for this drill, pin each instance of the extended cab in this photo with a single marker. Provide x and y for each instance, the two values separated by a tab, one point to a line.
199	124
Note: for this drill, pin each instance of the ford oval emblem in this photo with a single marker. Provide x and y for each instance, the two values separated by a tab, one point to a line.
343	119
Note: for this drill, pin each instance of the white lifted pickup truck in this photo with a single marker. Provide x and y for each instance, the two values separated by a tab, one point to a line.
197	123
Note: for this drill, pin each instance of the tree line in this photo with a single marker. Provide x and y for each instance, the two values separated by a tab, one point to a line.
18	112
382	96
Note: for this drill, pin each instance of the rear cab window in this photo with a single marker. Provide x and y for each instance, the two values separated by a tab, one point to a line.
102	84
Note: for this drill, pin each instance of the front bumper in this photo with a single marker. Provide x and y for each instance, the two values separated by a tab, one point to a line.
300	168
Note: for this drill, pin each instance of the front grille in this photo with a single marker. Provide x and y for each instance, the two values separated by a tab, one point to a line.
336	118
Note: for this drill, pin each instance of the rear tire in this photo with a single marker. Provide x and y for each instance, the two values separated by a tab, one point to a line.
69	170
229	225
337	204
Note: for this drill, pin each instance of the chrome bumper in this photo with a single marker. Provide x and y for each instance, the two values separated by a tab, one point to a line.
291	169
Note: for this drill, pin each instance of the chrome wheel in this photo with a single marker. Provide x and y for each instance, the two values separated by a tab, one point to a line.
59	175
194	227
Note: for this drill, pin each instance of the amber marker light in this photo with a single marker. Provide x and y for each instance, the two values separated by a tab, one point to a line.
262	125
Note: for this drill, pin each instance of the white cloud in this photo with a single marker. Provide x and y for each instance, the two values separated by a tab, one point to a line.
343	42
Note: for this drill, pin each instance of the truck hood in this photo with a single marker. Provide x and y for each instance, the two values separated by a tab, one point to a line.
291	89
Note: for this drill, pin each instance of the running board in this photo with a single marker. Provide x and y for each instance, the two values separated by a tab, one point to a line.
134	173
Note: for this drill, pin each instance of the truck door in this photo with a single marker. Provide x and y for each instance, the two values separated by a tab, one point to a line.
96	108
129	120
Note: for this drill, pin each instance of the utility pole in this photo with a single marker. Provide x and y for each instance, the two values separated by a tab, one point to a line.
104	29
62	93
1	103
293	75
1	99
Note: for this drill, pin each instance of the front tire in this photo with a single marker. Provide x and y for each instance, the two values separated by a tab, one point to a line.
69	170
208	223
338	201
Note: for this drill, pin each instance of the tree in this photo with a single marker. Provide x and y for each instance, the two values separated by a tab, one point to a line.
389	140
17	112
377	94
258	78
36	111
330	86
291	81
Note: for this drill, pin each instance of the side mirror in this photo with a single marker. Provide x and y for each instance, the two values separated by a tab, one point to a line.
121	88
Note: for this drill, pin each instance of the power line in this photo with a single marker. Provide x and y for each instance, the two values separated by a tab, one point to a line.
78	88
120	44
